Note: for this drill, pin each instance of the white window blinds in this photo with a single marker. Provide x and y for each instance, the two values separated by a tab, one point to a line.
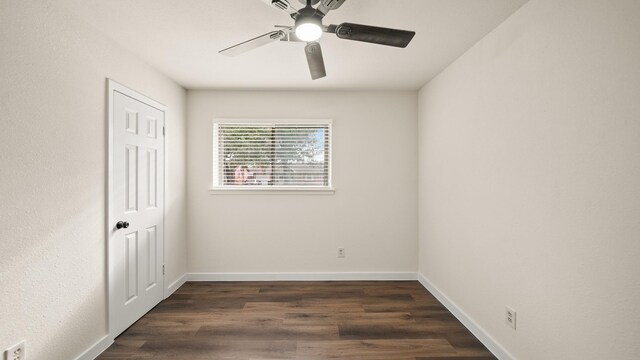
272	155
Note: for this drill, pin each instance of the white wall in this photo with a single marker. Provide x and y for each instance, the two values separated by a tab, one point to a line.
52	189
529	180
372	213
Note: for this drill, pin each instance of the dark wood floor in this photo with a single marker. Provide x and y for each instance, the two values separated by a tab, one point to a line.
395	320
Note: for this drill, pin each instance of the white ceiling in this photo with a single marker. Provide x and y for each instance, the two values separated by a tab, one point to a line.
182	39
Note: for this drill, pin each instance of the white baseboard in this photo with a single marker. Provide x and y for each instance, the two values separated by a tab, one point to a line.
176	284
320	276
97	348
491	344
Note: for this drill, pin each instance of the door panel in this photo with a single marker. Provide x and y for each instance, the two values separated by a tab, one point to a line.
151	258
152	176
131	178
136	252
131	267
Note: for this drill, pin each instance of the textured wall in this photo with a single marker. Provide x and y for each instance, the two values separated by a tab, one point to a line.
52	189
529	180
372	213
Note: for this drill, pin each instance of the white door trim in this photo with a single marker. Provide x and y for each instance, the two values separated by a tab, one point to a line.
113	86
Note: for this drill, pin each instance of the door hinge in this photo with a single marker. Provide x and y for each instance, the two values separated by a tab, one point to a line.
162	269
164	132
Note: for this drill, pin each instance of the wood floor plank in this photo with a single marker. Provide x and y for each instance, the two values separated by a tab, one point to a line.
364	320
222	349
403	331
298	307
392	299
269	332
373	349
164	332
373	319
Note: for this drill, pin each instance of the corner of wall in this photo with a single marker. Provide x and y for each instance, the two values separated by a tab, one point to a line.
498	350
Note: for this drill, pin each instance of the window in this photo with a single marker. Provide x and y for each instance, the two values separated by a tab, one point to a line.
274	155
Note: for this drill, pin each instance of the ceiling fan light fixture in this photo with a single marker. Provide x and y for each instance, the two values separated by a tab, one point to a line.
308	29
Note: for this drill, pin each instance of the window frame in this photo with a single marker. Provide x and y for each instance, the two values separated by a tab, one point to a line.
269	189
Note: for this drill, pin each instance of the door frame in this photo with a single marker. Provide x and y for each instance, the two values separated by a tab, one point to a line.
112	87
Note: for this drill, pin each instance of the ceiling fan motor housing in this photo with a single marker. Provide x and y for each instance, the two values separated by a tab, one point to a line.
308	15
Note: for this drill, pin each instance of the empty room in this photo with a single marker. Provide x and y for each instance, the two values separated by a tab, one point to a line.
320	179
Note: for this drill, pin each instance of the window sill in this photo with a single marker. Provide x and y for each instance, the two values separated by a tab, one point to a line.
262	190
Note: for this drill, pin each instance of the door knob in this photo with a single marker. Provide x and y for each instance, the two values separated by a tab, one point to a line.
122	224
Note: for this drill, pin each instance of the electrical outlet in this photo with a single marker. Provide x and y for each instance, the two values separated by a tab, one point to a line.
510	317
340	252
16	352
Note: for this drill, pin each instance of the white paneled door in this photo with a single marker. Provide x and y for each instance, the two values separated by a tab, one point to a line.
136	207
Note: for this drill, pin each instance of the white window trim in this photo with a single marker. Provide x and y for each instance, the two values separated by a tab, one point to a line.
282	190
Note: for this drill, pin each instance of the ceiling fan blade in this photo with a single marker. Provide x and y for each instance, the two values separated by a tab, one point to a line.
315	60
372	34
328	5
253	43
283	5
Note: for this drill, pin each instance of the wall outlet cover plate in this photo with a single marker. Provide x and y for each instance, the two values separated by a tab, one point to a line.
510	317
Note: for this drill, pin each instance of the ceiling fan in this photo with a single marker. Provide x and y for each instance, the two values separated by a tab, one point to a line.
308	28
